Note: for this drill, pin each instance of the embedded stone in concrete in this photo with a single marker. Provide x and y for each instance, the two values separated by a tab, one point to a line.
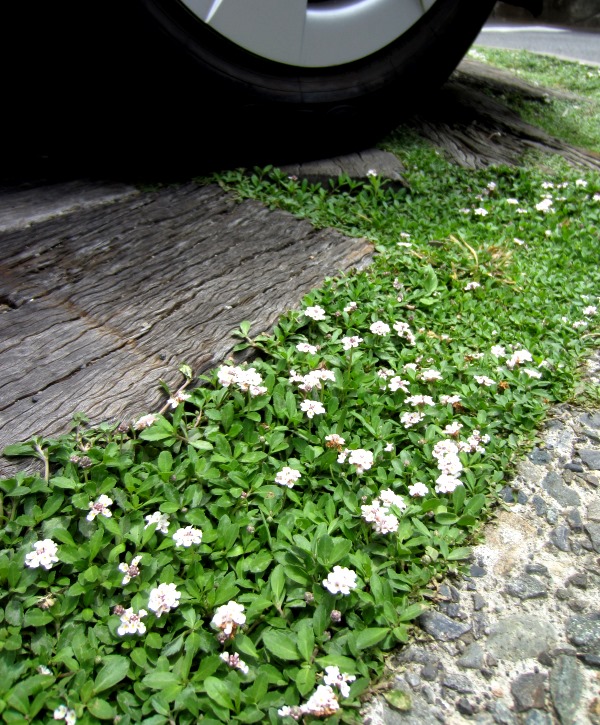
556	487
566	687
441	627
520	637
591	458
528	691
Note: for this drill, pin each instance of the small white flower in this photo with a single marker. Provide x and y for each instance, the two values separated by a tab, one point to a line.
287	477
380	328
334	441
340	581
446	484
405	235
390	498
532	373
130	570
315	313
480	211
420	400
512	201
519	242
579	323
131	623
312	408
351	306
43	554
43	670
234	661
145	421
484	380
389	447
418	489
228	618
350	342
408	420
335	678
161	520
498	351
545	205
471	285
60	712
362	459
305	347
430	375
163	598
453	429
491	186
371	172
581	182
187	536
177	398
321	703
70	717
518	358
396	383
100	507
590	310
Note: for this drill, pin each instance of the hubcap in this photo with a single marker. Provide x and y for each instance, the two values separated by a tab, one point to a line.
310	33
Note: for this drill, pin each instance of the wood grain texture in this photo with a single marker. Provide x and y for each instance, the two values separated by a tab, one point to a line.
103	303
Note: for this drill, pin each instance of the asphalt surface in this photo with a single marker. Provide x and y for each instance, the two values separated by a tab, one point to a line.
564	43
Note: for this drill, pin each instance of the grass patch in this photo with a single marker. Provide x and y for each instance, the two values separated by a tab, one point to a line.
277	532
574	121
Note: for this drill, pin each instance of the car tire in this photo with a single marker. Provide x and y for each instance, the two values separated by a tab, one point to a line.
288	110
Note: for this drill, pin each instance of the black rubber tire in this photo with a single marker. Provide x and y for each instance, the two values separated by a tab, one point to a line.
323	110
145	83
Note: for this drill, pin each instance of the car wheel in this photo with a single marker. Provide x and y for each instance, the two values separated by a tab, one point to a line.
312	76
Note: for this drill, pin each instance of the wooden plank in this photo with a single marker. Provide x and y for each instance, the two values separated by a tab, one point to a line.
106	301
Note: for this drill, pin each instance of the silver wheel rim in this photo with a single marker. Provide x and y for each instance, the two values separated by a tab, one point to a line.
310	34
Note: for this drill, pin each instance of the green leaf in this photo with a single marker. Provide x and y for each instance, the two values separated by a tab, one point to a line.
113	672
305	680
158	680
411	612
36	618
306	639
399	700
101	709
218	691
371	636
461	552
277	581
281	645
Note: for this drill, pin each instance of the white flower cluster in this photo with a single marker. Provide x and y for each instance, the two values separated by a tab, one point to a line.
335	441
590	310
161	520
164	598
228	618
145	421
315	313
530	372
334	678
450	399
100	507
246	379
187	536
43	554
378	512
234	661
323	702
403	330
473	444
313	379
430	375
130	570
397	383
498	351
350	342
312	408
471	286
340	581
362	459
518	357
380	328
420	400
287	477
449	464
409	420
63	713
178	397
131	623
418	490
484	380
306	347
351	306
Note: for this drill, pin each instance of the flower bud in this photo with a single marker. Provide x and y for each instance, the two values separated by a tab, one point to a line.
336	615
309	597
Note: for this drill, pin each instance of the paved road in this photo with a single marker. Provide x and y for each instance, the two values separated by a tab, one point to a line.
561	42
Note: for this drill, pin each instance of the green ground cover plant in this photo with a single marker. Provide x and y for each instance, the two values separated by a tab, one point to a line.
574	120
256	552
